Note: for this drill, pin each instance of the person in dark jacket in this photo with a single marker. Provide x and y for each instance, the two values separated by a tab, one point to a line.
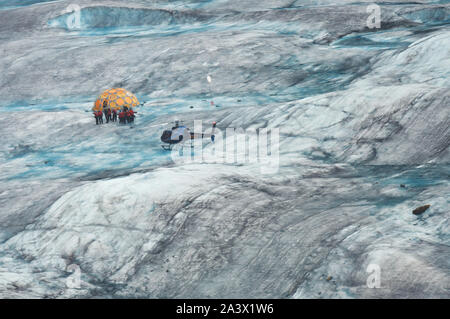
105	110
114	115
125	113
108	115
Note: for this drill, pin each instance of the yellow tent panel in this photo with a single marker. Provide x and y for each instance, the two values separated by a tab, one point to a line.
116	98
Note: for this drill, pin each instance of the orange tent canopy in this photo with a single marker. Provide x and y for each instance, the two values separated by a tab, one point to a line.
116	99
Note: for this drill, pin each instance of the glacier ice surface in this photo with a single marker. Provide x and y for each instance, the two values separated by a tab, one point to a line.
364	134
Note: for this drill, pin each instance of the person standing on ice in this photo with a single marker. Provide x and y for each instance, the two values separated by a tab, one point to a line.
125	114
114	115
108	115
121	117
131	115
105	110
100	117
96	117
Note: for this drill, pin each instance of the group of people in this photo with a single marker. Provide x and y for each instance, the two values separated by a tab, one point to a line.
125	115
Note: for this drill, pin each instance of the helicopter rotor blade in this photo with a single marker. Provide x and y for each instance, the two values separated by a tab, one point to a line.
158	124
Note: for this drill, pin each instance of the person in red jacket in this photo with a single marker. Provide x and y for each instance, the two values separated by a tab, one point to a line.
96	117
122	117
130	116
100	117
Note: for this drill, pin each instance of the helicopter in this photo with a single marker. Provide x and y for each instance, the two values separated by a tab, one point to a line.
181	134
